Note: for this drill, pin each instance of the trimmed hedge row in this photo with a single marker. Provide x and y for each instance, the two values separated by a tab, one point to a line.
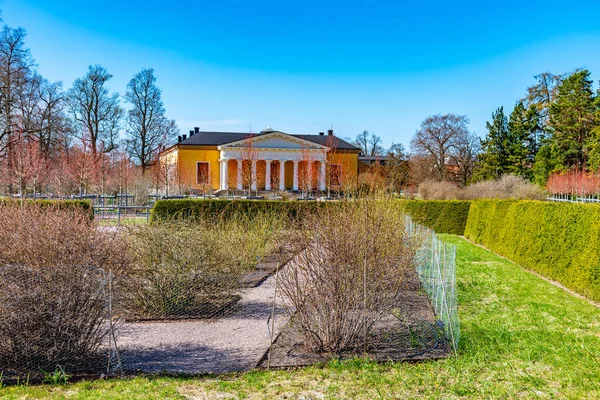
222	208
443	216
560	241
84	205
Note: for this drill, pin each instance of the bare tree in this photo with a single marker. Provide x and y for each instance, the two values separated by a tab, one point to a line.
464	156
369	144
437	139
148	130
27	164
95	111
15	68
53	123
249	174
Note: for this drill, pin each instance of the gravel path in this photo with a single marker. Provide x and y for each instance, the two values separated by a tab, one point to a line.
235	342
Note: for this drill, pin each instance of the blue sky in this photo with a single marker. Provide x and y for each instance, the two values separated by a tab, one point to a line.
302	66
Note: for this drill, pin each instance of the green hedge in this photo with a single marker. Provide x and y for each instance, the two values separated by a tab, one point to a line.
220	208
84	205
443	216
560	241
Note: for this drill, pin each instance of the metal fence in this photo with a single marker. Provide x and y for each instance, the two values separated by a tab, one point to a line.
436	267
569	198
117	214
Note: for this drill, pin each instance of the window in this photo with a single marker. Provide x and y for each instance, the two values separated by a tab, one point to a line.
336	174
202	173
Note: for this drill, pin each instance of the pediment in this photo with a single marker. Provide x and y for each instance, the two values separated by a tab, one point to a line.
274	140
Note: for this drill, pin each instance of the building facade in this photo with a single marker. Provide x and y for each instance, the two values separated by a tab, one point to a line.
269	160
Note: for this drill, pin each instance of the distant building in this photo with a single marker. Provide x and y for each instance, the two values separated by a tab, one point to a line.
268	160
366	162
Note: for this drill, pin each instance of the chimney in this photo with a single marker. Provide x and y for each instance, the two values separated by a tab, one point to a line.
191	133
179	139
196	130
184	137
330	132
321	133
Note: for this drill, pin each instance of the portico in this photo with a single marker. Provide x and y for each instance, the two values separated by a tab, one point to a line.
273	161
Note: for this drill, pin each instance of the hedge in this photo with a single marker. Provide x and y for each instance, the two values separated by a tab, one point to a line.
221	208
443	216
560	241
84	205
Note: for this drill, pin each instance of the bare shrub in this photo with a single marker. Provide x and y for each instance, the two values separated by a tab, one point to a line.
434	190
349	273
192	268
506	187
44	237
52	308
51	316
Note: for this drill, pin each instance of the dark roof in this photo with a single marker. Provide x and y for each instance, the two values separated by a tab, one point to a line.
374	158
219	138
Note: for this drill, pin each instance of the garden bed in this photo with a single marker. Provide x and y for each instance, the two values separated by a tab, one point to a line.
408	333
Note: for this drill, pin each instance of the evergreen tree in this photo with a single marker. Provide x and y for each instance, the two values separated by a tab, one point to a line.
594	140
572	118
547	160
493	159
518	142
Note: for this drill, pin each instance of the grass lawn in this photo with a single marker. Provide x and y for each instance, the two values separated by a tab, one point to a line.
521	338
125	221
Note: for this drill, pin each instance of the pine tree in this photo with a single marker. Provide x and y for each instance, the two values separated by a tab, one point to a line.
572	118
493	159
517	144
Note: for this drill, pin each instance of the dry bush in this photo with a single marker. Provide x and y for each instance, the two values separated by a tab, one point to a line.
44	237
507	187
52	304
434	190
348	272
51	316
192	268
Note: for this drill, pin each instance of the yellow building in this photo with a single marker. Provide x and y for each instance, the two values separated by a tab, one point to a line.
269	160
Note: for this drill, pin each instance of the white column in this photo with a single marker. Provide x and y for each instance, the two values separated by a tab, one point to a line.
322	176
253	186
268	175
295	186
225	176
239	174
309	174
281	174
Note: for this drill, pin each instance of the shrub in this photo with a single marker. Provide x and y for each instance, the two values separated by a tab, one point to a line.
193	268
52	316
348	272
443	216
506	187
231	209
558	240
435	190
82	205
52	306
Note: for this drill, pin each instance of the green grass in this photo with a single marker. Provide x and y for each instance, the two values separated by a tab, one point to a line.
125	221
521	338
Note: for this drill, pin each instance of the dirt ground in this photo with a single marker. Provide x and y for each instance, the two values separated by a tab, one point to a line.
234	342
